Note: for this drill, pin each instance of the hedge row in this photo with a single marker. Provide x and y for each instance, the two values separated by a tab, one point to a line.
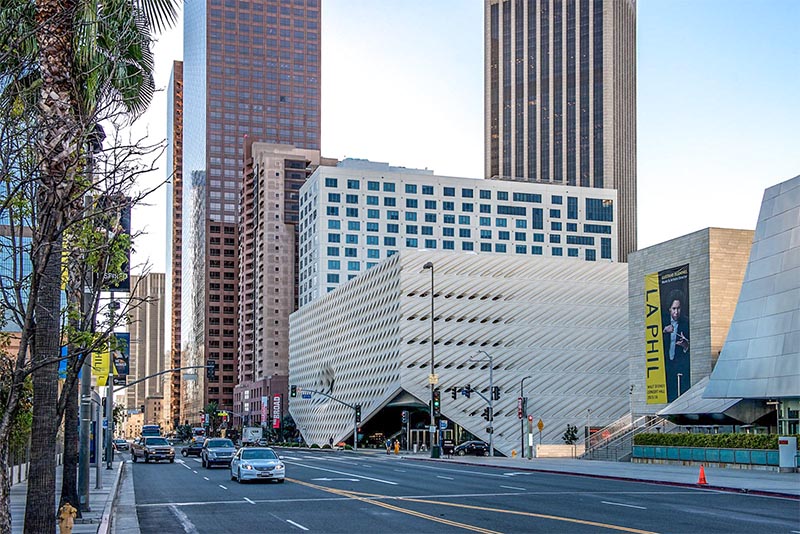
717	441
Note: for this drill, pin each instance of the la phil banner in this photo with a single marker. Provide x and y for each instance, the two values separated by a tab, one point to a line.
276	410
667	336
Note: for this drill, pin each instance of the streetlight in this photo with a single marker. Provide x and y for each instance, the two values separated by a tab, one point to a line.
630	400
679	383
432	378
524	407
491	399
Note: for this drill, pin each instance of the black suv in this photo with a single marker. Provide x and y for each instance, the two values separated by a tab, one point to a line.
193	449
478	448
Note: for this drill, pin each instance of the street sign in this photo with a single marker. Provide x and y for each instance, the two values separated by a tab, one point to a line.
540	425
443	424
432	429
105	423
306	395
433	379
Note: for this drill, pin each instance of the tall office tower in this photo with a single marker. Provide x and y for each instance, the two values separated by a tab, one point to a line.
268	261
147	352
249	69
560	97
174	229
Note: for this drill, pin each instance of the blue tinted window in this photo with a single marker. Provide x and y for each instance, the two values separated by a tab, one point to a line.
390	253
331	182
430	217
334	197
598	209
411	188
556	199
555	226
411	228
512	210
466	193
464	232
580	240
538	238
332	210
353	265
572	252
605	248
373	214
411	216
388	187
411	242
334	265
555	238
334	224
486	234
486	193
502	195
449	219
536	250
572	207
597	228
572	227
446	231
466	206
532	198
389	201
537	221
502	223
351	239
371	264
427	230
333	251
372	200
430	243
412	203
448	206
427	189
393	228
503	235
351	252
519	236
430	204
556	251
373	253
354	225
467	245
351	199
372	240
521	223
333	278
449	191
591	255
351	212
485	208
372	227
353	184
373	186
500	247
448	245
463	219
555	214
521	249
334	238
393	215
485	221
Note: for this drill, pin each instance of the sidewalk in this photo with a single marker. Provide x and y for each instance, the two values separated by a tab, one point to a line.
101	501
727	479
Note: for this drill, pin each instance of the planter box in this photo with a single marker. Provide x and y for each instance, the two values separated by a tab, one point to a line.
739	458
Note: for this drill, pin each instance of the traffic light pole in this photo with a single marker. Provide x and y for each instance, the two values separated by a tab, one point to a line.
355	407
490	400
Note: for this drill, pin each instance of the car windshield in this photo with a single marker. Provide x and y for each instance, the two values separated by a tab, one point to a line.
120	440
259	455
156	441
220	443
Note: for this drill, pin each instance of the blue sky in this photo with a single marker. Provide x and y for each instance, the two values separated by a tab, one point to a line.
402	82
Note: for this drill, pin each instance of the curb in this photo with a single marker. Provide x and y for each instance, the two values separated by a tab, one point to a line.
105	523
764	493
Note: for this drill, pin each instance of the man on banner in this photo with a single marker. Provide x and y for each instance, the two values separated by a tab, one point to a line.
676	345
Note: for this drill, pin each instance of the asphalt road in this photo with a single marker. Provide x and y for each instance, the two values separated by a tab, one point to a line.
360	492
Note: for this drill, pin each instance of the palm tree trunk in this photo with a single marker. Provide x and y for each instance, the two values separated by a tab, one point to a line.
69	482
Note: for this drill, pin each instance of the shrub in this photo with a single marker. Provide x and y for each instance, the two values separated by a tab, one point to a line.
314	446
348	447
722	441
326	446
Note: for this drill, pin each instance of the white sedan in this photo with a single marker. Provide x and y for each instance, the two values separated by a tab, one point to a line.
257	463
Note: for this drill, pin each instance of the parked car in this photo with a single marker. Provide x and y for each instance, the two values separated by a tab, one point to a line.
478	448
152	448
217	451
193	449
121	445
257	463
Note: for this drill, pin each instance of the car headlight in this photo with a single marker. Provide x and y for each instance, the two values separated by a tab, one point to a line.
280	466
212	454
247	466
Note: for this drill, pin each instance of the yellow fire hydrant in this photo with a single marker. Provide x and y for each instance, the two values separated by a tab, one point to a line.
66	518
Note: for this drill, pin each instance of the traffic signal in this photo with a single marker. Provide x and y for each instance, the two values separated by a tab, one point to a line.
486	413
453	393
404	416
496	393
211	370
467	391
358	413
292	391
437	403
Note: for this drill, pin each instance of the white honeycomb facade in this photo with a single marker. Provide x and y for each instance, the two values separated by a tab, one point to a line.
563	322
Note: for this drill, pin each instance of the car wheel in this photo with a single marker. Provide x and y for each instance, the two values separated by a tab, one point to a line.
172	460
233	477
486	453
184	453
461	453
146	459
281	480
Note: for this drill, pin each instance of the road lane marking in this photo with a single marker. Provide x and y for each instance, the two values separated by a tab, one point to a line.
205	478
446	478
346	474
248	500
625	505
532	514
221	486
332	479
193	471
187	467
187	525
298	525
513	488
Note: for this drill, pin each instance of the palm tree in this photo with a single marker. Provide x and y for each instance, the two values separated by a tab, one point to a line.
80	67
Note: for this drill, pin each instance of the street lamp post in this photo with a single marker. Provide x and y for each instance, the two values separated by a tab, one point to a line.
524	402
491	401
432	379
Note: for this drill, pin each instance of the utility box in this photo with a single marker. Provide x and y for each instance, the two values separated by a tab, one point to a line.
787	453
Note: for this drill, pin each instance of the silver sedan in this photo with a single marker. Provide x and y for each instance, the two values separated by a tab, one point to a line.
257	463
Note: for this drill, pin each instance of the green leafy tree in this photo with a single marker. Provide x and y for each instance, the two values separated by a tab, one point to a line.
570	434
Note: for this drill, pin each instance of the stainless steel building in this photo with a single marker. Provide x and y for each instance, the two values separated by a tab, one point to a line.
560	97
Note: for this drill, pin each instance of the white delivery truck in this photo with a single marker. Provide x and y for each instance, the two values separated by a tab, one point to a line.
251	435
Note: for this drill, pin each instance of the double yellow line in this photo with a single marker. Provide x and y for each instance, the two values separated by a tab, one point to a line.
377	501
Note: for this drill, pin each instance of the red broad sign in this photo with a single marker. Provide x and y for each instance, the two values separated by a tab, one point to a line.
276	411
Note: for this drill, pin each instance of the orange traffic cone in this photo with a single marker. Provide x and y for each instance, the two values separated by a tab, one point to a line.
702	480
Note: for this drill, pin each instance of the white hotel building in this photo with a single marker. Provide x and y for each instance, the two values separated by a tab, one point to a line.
358	213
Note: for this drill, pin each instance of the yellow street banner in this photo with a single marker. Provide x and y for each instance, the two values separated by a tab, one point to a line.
100	363
654	342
